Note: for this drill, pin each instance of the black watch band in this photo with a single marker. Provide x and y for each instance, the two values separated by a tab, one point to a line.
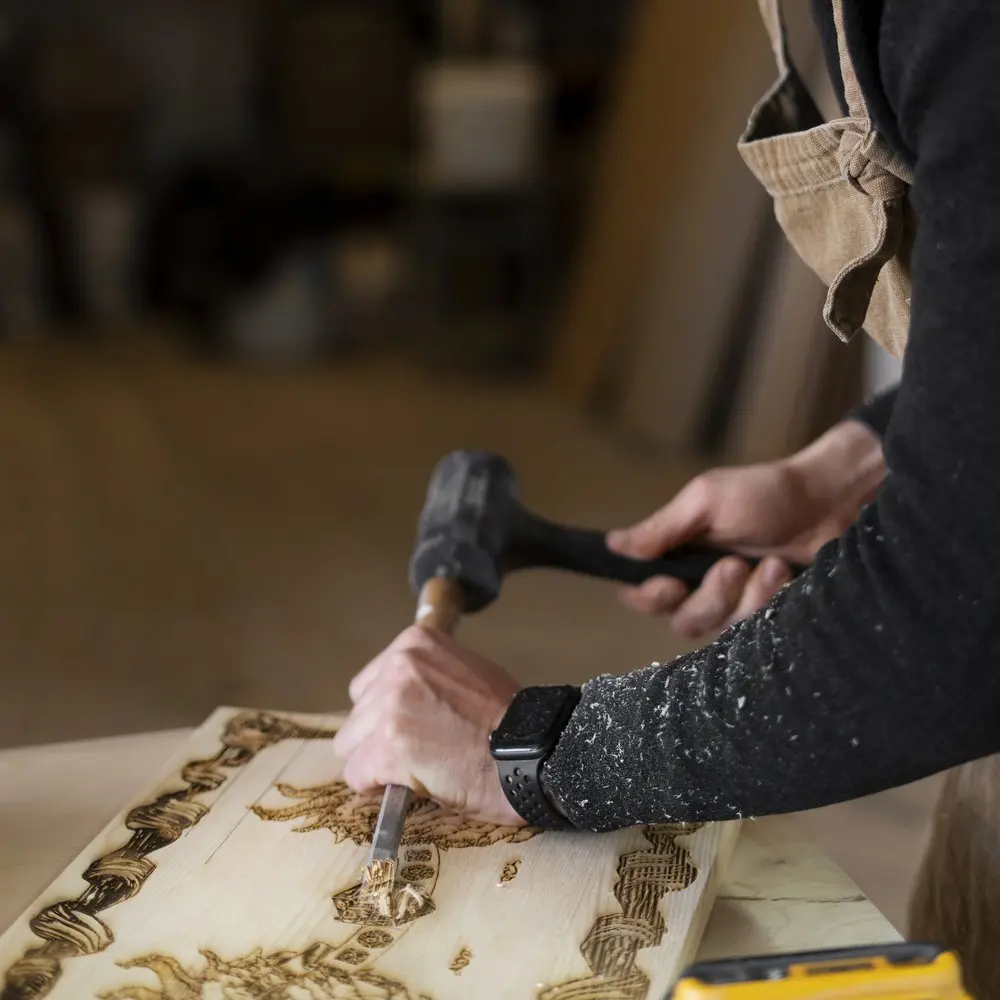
520	745
522	784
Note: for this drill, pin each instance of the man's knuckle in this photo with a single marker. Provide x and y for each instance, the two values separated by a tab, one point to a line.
403	670
397	697
687	626
412	637
713	603
355	775
706	485
641	602
393	729
403	665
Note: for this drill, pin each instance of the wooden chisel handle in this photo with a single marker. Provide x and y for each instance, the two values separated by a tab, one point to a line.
440	604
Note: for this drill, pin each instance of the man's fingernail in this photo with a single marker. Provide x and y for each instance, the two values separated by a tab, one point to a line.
617	537
774	572
732	572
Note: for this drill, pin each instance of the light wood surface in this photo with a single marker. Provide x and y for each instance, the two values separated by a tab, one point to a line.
221	872
778	893
695	293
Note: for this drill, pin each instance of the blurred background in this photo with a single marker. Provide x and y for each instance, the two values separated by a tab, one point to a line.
263	263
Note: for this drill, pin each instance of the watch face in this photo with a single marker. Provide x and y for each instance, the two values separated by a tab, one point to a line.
533	722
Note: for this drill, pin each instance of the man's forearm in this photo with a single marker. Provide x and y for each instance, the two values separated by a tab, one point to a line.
820	697
850	681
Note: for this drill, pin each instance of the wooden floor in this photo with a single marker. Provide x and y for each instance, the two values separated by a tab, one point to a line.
179	535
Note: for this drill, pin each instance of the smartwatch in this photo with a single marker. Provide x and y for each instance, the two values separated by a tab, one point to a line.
527	734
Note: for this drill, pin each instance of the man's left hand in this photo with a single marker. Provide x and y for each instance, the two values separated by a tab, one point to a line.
423	713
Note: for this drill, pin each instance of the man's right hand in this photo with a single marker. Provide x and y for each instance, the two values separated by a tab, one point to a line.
784	511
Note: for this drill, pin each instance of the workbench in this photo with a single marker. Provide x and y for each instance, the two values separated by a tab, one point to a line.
780	893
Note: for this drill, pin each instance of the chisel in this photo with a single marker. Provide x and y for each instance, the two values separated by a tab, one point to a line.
440	607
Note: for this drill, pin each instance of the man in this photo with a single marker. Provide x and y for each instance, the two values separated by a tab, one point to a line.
877	666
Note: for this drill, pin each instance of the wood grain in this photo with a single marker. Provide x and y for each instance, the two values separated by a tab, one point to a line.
779	892
238	868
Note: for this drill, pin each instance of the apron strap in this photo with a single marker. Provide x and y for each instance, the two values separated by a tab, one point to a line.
853	96
770	12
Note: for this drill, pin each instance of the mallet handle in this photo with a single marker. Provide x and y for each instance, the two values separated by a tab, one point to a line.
578	550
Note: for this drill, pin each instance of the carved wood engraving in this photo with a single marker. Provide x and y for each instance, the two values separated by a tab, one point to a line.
325	970
460	961
350	816
509	871
316	974
614	940
429	830
71	928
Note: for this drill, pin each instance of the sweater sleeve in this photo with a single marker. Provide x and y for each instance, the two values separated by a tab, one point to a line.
879	665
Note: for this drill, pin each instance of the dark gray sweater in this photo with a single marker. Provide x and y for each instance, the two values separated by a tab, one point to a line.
881	664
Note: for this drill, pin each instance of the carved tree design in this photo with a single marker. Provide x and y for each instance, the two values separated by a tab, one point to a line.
351	816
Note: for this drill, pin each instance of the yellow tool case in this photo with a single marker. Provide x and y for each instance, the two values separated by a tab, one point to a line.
905	971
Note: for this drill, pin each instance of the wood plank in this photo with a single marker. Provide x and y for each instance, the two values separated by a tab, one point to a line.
239	865
689	76
781	894
57	798
694	307
800	378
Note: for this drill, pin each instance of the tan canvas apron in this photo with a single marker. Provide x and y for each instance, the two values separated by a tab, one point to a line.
840	194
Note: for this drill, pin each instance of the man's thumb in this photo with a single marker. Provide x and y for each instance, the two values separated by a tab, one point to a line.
658	533
637	541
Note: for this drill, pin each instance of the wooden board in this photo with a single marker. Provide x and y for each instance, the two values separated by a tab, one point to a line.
799	378
794	369
670	199
693	302
235	876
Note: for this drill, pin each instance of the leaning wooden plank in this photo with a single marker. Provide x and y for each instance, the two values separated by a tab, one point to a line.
669	187
799	376
689	318
237	875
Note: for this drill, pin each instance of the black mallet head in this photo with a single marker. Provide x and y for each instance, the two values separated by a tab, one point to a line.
465	525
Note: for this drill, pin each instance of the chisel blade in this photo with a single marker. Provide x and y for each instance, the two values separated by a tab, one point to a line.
389	826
